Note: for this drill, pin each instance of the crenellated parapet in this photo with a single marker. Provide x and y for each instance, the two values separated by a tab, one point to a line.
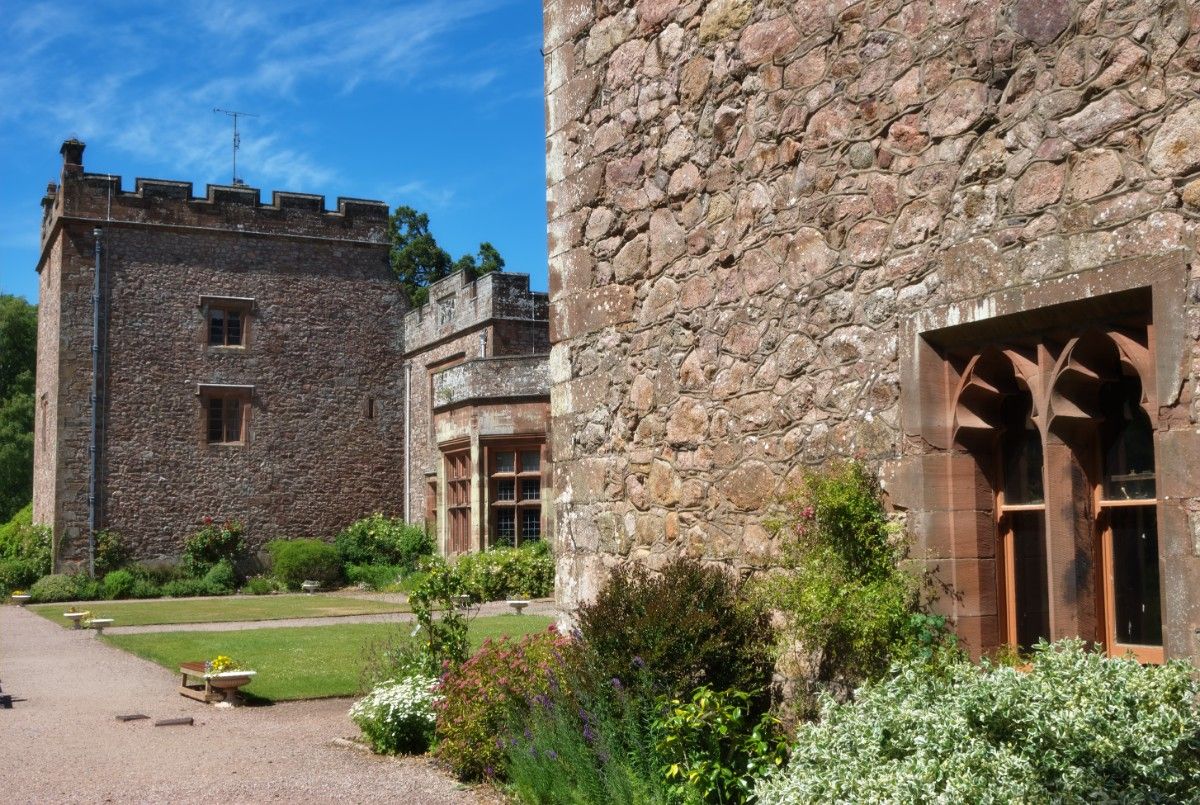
458	303
101	198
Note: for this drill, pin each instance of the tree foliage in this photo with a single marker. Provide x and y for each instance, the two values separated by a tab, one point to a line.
18	357
418	260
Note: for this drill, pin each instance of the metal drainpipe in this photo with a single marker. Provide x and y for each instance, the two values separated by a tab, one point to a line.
93	446
407	445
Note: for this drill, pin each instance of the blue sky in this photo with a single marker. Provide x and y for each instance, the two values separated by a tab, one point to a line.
432	103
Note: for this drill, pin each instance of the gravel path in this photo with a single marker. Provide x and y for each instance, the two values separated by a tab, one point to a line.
542	606
62	743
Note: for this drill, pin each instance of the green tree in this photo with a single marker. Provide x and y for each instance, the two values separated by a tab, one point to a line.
18	357
419	261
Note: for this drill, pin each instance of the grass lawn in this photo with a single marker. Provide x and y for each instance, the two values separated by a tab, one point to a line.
304	662
218	610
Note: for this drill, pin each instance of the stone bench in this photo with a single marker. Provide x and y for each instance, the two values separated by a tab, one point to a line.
99	623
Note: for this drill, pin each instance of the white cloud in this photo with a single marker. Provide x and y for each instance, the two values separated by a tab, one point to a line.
145	84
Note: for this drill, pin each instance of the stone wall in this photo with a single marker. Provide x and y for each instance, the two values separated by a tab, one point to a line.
322	353
749	203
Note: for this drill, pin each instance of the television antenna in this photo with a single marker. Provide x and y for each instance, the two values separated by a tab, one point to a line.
237	138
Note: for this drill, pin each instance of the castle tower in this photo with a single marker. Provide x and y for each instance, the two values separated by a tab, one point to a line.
249	363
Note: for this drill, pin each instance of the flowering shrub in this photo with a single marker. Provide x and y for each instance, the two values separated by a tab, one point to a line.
211	544
687	626
380	540
398	716
1076	727
482	695
499	573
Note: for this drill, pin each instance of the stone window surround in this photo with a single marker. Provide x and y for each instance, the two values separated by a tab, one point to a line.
241	304
210	391
950	513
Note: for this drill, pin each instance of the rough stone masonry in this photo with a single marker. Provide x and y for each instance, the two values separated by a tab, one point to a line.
751	202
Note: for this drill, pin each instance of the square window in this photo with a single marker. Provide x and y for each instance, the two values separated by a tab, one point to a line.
225	418
531	489
531	461
504	462
531	524
506	490
227	319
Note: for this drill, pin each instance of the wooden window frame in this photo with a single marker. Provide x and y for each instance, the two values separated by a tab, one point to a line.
241	396
458	472
242	306
518	504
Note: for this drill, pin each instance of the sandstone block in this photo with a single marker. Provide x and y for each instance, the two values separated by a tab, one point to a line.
1099	118
1097	171
590	310
957	108
1176	147
666	239
1039	186
688	423
765	40
750	486
1040	21
664	484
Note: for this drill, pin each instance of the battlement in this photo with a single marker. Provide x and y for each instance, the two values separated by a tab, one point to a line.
238	208
457	304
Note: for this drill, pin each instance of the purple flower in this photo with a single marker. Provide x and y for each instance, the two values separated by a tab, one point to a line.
550	753
616	683
528	734
489	771
588	735
638	662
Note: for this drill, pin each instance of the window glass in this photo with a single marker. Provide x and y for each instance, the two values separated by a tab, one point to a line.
233	328
1029	568
1021	447
504	462
506	526
216	327
1136	606
1129	457
531	461
224	416
506	490
531	524
531	489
